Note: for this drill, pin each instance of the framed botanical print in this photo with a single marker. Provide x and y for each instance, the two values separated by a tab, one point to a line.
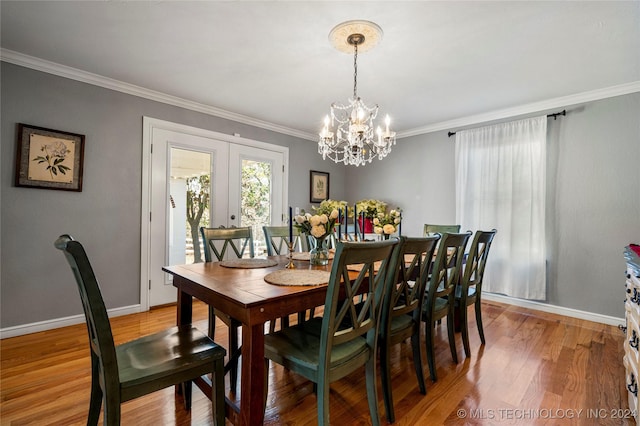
319	186
49	159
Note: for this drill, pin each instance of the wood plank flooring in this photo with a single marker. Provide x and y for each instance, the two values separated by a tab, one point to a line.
536	368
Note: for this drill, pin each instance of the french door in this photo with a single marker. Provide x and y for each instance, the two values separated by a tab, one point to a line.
197	178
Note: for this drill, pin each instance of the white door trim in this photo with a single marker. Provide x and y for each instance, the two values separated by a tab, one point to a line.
148	125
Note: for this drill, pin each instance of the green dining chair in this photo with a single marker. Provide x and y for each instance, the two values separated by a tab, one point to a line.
470	289
402	309
239	242
440	229
276	238
321	349
440	293
121	373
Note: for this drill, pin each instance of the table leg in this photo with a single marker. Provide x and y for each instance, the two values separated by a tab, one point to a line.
185	307
184	316
252	379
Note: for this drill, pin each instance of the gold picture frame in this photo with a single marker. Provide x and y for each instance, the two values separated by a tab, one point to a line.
49	159
319	186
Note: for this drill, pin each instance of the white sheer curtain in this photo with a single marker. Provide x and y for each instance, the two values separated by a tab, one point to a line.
500	183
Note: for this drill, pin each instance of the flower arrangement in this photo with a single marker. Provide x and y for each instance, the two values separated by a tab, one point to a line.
318	225
328	206
387	223
371	208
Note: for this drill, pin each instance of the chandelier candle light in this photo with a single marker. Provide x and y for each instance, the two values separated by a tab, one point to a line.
348	136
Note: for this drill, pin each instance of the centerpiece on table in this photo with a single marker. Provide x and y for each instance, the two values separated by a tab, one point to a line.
371	209
319	225
386	224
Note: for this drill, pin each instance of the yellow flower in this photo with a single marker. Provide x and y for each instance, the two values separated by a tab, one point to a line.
389	229
318	231
314	220
334	214
377	230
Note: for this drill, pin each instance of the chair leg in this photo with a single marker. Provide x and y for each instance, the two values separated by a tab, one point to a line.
386	381
322	396
417	360
464	327
452	336
186	394
429	338
372	390
111	410
217	396
95	402
479	320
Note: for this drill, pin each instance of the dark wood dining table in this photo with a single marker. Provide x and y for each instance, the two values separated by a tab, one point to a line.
246	296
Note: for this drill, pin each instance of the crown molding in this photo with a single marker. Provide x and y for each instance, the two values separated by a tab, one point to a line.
38	64
561	102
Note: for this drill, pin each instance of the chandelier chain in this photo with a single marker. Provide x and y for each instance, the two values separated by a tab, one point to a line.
355	72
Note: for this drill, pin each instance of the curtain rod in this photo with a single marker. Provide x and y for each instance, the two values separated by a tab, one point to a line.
554	115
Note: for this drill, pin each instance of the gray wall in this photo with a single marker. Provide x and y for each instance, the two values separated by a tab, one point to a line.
36	284
594	205
593	200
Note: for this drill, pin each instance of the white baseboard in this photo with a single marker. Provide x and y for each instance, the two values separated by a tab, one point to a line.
20	330
568	312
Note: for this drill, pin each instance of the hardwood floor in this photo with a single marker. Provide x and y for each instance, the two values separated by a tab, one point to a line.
536	368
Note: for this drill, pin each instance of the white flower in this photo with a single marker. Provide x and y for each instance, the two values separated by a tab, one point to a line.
376	221
334	214
377	230
318	231
389	229
396	220
324	218
300	219
315	220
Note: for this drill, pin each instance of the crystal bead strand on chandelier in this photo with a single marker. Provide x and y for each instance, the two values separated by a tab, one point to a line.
354	142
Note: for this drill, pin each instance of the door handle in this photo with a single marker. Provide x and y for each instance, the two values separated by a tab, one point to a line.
233	217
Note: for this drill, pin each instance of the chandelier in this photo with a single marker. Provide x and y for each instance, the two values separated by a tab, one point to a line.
348	134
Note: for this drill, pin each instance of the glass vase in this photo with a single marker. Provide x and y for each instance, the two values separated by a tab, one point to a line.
319	254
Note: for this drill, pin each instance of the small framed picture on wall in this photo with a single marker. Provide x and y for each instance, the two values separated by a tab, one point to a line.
49	159
319	186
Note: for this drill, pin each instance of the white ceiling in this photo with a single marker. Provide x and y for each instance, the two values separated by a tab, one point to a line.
438	62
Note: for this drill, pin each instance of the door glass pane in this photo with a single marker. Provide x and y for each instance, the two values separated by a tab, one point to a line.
255	204
189	189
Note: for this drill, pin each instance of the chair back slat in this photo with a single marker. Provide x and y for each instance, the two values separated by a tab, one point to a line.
430	229
477	260
363	319
98	325
406	293
277	237
238	239
447	266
